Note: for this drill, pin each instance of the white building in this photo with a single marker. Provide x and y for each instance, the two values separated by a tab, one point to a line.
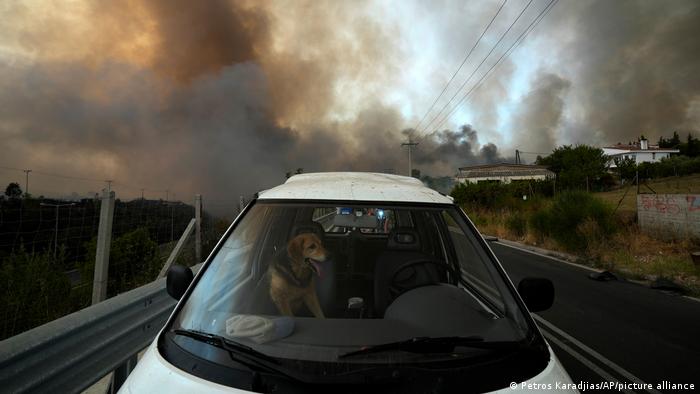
641	152
502	173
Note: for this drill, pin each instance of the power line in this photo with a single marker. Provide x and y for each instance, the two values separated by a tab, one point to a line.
77	178
461	65
480	64
517	42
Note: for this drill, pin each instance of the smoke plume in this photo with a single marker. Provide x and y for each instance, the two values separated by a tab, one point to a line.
224	97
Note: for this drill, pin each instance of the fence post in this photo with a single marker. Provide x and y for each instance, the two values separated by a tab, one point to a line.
198	229
177	249
104	238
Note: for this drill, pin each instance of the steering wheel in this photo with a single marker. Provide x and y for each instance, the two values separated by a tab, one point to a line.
395	289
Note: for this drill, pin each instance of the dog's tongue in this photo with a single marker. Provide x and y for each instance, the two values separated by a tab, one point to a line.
317	267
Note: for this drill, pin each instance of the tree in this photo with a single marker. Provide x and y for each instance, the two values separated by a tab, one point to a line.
673	143
13	190
691	147
579	167
627	167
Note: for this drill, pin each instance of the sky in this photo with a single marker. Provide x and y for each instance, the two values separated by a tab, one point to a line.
222	98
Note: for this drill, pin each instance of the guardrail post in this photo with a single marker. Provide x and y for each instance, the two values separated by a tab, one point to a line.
104	238
198	229
122	372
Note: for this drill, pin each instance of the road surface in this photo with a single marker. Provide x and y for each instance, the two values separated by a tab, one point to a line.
617	330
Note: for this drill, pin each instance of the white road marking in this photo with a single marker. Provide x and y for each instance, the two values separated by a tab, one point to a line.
581	358
592	353
549	257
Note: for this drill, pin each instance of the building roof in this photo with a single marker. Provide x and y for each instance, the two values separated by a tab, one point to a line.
354	186
503	170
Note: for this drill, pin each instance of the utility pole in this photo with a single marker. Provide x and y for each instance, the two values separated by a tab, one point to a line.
410	145
55	237
517	156
109	185
167	194
142	194
26	181
198	227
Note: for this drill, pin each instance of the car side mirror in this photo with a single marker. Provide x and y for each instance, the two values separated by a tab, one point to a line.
179	279
538	293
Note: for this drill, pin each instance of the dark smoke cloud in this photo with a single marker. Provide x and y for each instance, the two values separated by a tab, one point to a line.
207	110
448	148
633	67
537	124
198	38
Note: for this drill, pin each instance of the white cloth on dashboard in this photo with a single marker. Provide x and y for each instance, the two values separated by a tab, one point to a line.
258	328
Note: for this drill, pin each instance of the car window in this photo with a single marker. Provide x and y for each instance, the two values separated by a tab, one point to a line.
368	220
469	256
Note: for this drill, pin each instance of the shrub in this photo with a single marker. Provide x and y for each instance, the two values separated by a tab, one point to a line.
35	291
488	195
517	224
574	220
133	262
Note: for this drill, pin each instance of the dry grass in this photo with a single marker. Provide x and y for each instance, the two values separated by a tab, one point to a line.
643	256
671	185
630	252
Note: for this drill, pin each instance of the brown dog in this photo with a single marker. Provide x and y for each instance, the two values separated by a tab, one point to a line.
292	280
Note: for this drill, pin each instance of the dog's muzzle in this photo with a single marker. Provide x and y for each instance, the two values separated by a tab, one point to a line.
315	265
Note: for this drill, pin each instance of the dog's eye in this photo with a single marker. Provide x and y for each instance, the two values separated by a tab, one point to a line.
312	247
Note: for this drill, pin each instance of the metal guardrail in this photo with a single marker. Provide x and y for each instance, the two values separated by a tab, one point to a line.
69	354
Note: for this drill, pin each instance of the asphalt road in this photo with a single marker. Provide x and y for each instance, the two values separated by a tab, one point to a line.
613	330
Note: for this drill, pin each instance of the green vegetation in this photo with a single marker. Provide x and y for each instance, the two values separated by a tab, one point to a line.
35	291
134	261
580	167
575	219
13	190
689	148
587	224
487	195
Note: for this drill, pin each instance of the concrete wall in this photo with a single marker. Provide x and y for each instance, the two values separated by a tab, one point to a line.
670	215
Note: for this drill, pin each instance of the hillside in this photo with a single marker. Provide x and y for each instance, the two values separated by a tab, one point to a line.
670	185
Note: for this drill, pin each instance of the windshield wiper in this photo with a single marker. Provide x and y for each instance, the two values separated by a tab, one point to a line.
434	345
234	348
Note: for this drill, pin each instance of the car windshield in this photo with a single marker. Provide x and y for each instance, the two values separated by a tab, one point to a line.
325	282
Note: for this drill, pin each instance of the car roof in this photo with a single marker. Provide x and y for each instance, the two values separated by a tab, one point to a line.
354	186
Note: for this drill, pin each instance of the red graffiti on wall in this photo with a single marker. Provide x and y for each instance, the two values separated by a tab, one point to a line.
693	203
662	204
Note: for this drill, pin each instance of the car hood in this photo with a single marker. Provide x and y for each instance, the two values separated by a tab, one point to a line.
154	374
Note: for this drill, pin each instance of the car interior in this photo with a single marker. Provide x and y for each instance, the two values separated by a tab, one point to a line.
368	267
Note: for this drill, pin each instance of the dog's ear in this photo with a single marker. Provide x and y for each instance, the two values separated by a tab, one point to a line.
295	248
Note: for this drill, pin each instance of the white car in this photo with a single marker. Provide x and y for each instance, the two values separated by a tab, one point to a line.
411	299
